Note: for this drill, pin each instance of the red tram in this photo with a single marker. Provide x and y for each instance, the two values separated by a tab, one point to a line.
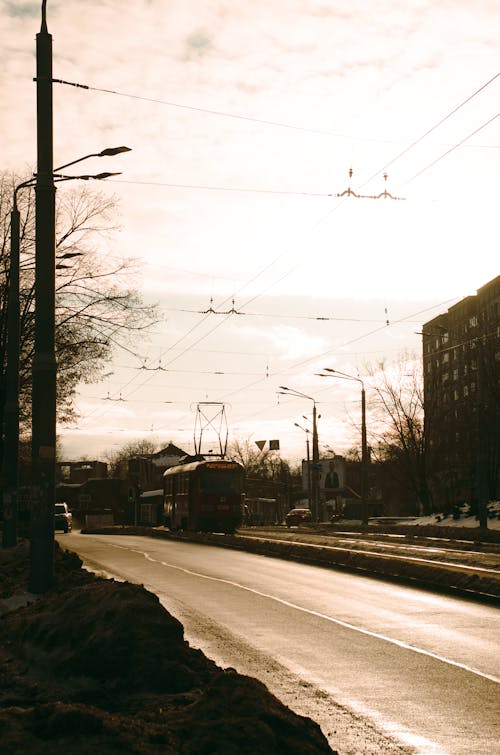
204	495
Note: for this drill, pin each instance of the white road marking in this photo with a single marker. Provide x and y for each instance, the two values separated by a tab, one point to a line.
339	622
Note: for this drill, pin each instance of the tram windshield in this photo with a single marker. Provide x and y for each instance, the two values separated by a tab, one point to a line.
220	483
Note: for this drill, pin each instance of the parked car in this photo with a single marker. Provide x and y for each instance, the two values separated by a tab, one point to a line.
298	516
63	519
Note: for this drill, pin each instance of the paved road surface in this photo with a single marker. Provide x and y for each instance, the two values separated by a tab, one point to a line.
373	660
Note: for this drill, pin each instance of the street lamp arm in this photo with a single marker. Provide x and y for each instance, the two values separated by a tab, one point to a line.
108	152
340	375
305	429
294	392
29	182
85	177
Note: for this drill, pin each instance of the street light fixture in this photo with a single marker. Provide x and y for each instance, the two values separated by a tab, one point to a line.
108	152
307	431
364	447
283	389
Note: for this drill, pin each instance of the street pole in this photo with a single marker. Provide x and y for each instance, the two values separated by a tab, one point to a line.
41	575
315	448
309	487
364	458
315	475
308	456
364	446
11	411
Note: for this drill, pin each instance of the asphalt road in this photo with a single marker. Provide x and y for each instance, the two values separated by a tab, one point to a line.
383	668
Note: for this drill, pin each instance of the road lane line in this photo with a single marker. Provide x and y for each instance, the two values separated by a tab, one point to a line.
317	614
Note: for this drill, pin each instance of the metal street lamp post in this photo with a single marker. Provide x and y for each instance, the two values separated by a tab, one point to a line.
44	360
364	447
315	450
309	489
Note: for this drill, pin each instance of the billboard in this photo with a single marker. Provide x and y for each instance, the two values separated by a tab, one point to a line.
331	474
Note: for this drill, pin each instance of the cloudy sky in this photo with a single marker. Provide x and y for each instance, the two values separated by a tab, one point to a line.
244	120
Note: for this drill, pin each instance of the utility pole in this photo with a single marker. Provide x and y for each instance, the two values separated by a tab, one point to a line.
44	361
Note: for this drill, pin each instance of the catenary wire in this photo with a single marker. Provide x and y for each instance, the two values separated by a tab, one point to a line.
300	128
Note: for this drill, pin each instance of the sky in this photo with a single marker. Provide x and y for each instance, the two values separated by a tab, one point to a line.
245	121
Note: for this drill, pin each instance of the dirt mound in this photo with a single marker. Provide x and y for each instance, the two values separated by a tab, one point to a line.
98	665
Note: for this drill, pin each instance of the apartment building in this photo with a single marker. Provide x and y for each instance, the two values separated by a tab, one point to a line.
461	362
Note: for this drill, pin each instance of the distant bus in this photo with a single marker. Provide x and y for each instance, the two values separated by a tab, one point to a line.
204	495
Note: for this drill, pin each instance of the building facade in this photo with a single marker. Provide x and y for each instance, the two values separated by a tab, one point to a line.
461	363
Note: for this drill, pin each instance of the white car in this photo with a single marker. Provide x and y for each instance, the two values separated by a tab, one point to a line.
63	518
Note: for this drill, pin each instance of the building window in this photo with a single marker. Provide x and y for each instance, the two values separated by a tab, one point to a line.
473	322
455	394
445	377
446	358
466	390
455	374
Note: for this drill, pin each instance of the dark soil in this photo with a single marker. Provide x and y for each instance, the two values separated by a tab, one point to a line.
100	666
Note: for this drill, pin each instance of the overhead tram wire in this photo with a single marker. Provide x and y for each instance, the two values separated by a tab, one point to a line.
279	374
207	111
268	122
321	220
246	304
372	332
459	144
232	189
320	318
289	272
339	346
433	128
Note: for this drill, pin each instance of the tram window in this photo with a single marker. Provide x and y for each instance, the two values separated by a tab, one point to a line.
228	483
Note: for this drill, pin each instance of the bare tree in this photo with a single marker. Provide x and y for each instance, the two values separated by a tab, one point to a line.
98	307
399	412
118	460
